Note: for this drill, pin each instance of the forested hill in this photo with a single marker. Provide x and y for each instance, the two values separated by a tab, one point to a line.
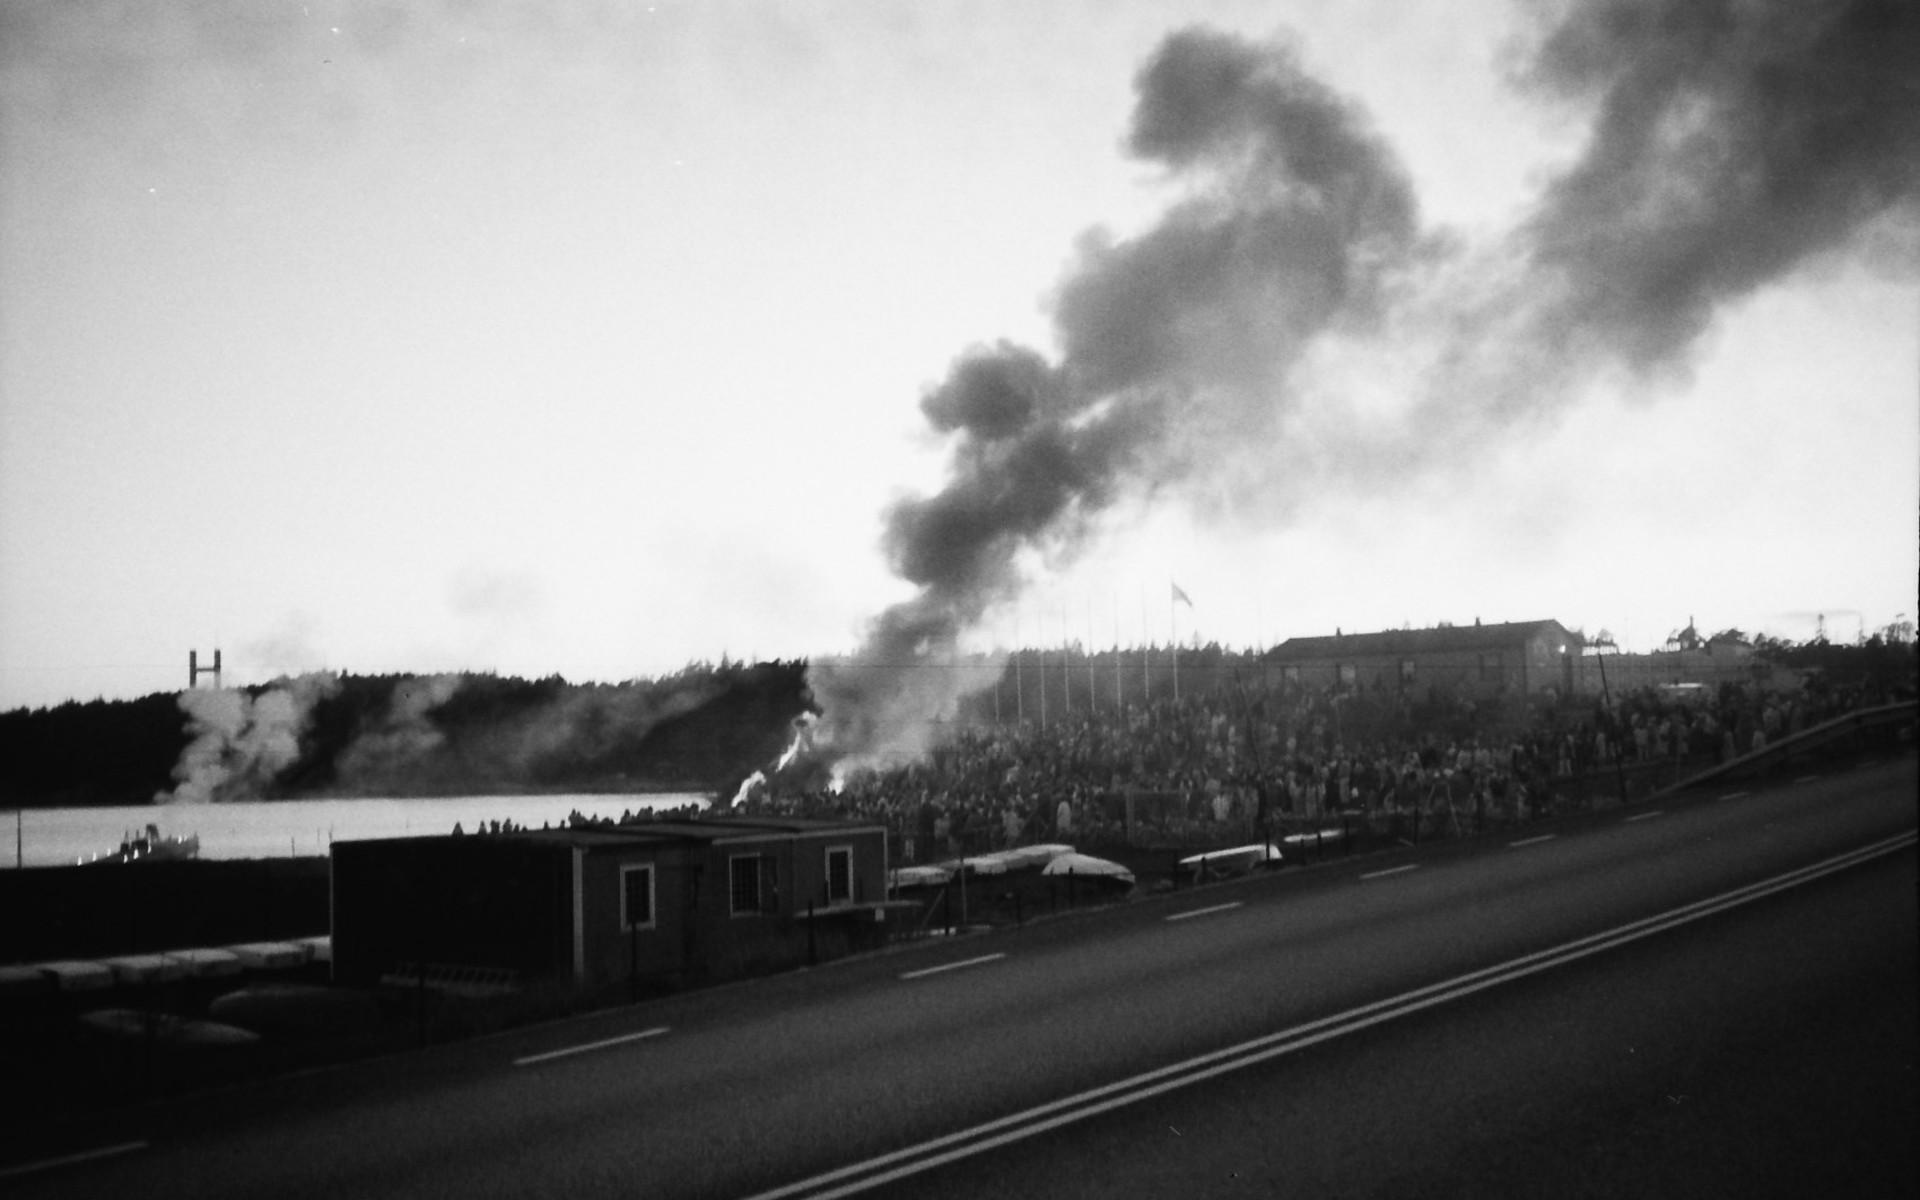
701	729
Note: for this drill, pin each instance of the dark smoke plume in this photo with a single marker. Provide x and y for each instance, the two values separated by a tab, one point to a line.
1169	341
1732	141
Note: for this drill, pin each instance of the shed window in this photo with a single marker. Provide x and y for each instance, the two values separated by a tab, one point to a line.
636	897
839	874
743	881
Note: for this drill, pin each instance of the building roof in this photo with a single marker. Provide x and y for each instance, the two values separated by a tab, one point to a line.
706	830
1507	635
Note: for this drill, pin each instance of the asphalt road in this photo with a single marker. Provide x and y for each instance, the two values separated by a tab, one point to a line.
1398	1025
1766	1052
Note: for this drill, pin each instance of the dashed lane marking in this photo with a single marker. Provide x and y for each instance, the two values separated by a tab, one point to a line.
952	966
1736	795
602	1044
1533	841
68	1160
1646	816
1391	870
1201	912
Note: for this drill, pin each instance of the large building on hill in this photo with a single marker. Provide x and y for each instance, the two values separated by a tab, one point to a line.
1525	658
1518	657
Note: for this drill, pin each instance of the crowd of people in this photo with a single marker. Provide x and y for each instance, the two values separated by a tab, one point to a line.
579	820
1271	758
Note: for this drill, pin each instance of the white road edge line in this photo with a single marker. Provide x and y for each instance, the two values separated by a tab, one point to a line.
859	1176
1646	816
67	1160
1201	912
602	1044
1532	841
1392	870
952	966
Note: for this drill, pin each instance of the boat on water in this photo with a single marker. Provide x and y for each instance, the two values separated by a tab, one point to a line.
151	847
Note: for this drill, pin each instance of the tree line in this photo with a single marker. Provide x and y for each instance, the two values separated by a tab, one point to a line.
704	728
699	729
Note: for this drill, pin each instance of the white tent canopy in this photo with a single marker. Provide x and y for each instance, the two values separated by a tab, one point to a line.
1088	865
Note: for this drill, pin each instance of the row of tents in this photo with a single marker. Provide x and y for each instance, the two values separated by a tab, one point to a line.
1056	858
1051	858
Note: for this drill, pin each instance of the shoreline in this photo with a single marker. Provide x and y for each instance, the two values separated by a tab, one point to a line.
451	793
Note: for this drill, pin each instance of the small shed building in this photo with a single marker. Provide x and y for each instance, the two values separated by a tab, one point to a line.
653	901
1466	660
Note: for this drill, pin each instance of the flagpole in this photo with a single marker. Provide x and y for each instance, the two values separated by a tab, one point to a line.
1019	692
1066	668
1173	632
1093	682
1146	653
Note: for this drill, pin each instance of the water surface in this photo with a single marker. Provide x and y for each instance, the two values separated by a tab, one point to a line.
47	837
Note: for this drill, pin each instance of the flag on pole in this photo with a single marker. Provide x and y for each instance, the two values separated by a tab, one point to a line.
1181	596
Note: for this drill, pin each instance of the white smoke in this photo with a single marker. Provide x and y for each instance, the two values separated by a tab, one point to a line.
405	736
240	743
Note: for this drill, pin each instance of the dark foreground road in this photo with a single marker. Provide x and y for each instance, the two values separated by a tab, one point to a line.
1767	1049
1766	1052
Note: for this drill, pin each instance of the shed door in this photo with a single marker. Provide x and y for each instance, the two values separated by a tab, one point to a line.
839	874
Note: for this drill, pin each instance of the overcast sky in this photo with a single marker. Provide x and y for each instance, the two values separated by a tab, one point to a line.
599	338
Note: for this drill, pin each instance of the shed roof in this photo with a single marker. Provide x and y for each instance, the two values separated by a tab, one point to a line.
1505	635
701	830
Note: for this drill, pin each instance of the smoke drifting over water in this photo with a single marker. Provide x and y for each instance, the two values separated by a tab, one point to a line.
240	742
1731	142
453	733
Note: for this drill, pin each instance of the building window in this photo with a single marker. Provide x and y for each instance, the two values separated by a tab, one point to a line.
1289	674
839	874
1348	674
1406	670
636	897
743	879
